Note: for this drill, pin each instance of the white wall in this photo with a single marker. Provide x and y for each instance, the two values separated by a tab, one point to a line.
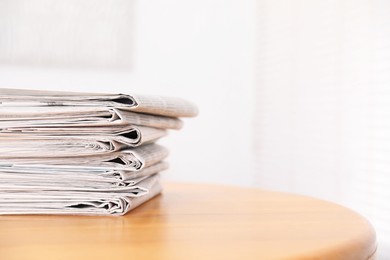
87	33
323	116
200	50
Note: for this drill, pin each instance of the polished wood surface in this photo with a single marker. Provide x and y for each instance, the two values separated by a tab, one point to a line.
193	221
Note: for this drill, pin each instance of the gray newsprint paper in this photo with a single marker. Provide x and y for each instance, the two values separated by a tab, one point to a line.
46	200
53	143
106	184
126	160
75	179
83	153
148	104
26	118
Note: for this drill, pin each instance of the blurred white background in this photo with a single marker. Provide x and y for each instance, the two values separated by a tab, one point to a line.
293	95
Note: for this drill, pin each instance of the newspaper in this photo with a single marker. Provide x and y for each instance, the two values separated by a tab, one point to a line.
85	185
82	153
127	160
12	118
53	201
54	143
29	181
85	179
149	104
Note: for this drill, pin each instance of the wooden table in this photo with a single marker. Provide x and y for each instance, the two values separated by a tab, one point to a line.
192	221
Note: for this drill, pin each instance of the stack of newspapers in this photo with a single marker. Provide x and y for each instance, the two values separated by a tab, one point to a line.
82	153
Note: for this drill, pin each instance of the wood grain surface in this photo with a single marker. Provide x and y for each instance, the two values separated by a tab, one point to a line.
194	221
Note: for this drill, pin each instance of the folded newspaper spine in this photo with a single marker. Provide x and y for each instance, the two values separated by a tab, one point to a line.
82	153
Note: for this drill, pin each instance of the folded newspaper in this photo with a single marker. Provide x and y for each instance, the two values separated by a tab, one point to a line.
82	153
155	105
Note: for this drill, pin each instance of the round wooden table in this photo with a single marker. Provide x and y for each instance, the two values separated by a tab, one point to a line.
193	221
